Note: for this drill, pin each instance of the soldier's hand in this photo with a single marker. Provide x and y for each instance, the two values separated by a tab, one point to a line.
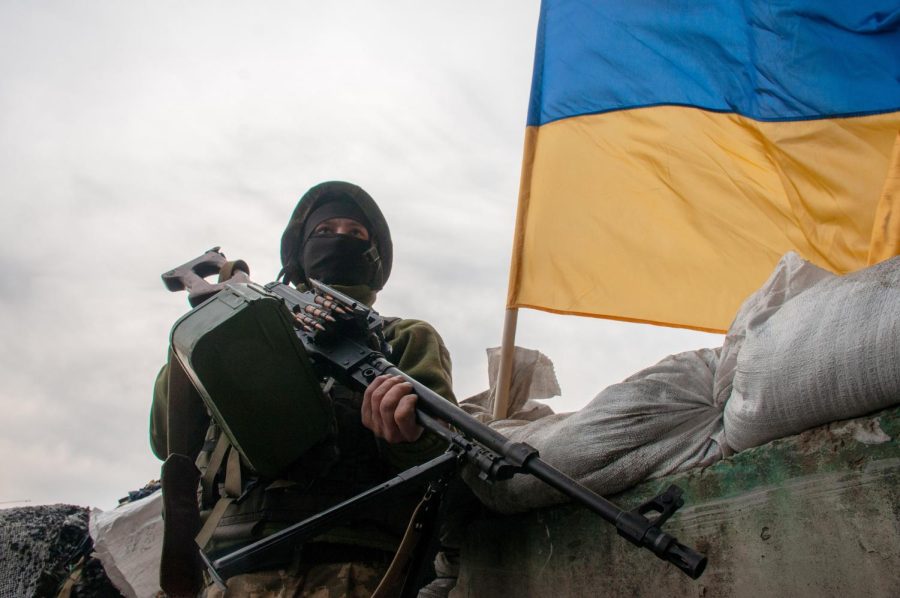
389	409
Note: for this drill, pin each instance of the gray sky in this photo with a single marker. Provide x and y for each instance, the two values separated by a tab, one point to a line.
134	136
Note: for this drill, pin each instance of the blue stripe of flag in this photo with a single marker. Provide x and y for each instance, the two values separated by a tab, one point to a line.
769	60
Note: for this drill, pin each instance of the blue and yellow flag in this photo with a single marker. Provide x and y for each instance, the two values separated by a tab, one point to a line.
676	149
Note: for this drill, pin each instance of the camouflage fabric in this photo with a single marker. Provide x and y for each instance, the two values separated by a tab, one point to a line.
329	580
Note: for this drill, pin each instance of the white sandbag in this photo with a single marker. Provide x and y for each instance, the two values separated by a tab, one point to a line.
817	348
658	421
128	541
533	378
792	276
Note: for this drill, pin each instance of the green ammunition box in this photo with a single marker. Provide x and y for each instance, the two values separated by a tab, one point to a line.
242	353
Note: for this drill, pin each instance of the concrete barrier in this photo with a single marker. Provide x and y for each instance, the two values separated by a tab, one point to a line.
817	514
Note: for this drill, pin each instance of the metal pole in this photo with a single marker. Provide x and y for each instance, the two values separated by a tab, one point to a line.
504	378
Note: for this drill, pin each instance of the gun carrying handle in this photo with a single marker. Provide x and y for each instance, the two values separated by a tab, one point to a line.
191	276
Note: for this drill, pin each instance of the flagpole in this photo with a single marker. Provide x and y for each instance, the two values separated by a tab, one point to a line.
504	378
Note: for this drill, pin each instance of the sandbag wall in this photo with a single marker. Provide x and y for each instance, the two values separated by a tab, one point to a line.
808	348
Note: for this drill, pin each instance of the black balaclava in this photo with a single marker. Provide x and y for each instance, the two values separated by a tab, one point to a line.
335	258
316	206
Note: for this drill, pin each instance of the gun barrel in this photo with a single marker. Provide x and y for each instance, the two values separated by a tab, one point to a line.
633	526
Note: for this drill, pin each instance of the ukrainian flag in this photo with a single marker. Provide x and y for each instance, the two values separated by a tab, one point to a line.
676	149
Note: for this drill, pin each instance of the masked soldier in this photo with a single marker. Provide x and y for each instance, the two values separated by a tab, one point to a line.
336	235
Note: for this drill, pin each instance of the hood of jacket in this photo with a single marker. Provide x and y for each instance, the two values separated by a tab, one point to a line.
379	233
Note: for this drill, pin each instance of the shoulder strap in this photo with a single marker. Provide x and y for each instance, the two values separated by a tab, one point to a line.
226	454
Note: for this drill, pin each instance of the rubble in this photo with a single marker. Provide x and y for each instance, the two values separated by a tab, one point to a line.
46	550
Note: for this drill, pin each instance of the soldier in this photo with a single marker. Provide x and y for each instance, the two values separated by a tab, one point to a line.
337	235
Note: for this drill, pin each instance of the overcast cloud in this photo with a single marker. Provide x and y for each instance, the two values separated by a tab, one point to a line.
134	136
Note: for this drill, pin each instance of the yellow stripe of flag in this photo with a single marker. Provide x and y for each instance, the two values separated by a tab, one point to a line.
673	215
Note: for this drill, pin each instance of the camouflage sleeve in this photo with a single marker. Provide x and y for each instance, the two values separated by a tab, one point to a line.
418	350
191	424
159	414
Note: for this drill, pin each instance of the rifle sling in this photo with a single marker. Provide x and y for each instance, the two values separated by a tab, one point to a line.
417	528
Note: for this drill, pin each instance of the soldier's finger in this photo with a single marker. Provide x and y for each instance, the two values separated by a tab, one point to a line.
386	383
372	398
405	417
392	398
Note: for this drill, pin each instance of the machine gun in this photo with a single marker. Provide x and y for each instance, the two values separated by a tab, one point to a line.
341	338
